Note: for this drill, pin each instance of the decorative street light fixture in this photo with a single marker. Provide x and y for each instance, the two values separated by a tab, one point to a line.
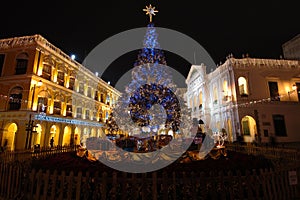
30	129
294	88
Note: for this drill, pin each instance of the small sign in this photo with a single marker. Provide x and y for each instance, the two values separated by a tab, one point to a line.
293	178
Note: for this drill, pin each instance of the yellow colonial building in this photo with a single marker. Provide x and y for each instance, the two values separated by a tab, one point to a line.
44	93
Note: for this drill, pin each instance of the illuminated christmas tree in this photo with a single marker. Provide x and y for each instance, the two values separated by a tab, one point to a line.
150	99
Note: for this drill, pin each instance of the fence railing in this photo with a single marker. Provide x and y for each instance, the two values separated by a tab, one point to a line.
192	184
23	155
268	152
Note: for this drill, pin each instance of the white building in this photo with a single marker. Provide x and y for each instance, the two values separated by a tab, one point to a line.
291	48
252	98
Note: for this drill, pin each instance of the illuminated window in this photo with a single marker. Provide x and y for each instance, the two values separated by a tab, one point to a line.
200	100
245	126
96	95
102	98
81	88
69	110
47	69
21	63
191	102
215	95
243	87
57	107
273	89
95	116
42	104
48	63
107	100
89	92
195	102
61	78
225	86
87	114
100	116
78	112
71	83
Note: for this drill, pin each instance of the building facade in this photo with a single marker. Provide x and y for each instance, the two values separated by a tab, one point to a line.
252	98
291	49
44	94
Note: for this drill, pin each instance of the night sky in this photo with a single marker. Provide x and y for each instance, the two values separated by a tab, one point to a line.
258	28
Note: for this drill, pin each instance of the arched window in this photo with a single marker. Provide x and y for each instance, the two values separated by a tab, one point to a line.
243	86
81	88
21	63
57	104
69	108
89	92
43	97
72	80
15	98
47	68
61	71
79	112
87	114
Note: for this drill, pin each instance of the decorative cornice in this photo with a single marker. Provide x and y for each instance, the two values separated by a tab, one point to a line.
245	63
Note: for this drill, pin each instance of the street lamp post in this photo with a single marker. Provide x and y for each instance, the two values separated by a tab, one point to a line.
30	125
30	130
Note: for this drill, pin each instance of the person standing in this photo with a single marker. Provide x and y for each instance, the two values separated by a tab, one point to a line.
52	142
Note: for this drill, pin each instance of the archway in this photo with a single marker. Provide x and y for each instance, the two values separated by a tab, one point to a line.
93	133
229	125
85	135
67	136
77	136
8	141
101	132
36	136
54	132
249	128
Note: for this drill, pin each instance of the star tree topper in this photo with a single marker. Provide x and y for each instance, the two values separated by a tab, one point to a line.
150	11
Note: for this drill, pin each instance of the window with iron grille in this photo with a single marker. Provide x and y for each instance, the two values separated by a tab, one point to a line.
57	108
79	113
61	78
21	66
69	110
87	114
71	83
42	104
47	72
15	101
